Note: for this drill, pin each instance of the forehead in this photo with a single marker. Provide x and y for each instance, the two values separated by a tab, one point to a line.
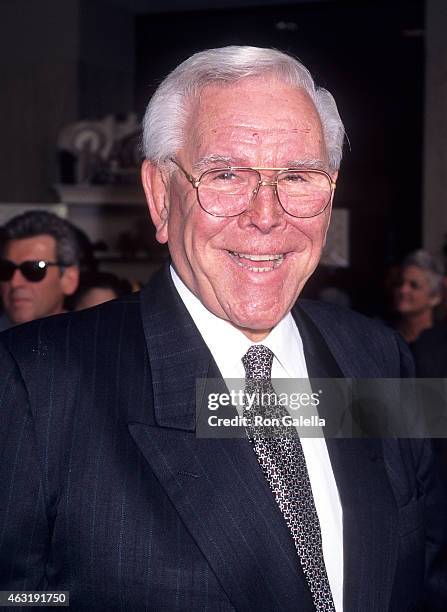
257	120
414	272
42	246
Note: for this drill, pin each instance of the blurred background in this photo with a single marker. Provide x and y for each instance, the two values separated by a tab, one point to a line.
76	76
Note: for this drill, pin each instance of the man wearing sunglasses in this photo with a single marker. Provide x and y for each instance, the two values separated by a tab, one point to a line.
109	491
39	266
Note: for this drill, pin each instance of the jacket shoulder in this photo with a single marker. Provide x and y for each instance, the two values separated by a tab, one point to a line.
365	346
73	337
343	318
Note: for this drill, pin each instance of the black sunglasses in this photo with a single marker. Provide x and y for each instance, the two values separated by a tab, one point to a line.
33	271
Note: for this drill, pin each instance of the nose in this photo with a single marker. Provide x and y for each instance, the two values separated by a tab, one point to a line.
404	288
17	279
265	211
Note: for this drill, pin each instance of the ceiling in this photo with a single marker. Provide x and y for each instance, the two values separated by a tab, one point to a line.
161	6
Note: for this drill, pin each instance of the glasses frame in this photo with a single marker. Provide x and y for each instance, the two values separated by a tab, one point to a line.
195	182
44	268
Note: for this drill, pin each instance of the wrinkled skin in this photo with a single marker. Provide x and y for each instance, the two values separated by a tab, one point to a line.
256	122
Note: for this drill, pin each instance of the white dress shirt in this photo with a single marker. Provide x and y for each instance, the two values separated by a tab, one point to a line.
228	345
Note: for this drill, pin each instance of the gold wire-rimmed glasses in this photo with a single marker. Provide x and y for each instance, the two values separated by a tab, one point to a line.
229	191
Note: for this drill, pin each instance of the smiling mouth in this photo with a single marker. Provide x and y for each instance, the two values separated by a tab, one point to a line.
258	263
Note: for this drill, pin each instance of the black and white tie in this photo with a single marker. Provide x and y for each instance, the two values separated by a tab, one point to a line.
283	463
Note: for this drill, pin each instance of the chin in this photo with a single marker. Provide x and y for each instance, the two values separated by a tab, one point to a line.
257	322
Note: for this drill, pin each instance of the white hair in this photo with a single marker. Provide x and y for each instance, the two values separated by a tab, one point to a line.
167	112
428	264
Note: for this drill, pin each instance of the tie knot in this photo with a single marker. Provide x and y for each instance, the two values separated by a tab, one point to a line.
257	362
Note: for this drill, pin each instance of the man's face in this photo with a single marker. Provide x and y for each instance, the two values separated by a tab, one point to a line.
24	300
258	122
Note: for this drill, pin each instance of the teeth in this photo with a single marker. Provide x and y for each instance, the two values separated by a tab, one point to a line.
258	257
275	259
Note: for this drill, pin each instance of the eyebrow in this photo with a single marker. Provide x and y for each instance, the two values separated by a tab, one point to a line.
228	161
315	164
204	162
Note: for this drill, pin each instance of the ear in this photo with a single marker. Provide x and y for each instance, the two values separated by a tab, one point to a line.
435	300
155	183
334	176
328	214
70	280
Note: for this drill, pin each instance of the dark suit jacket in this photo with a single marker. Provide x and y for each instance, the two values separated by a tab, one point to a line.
107	492
430	352
430	357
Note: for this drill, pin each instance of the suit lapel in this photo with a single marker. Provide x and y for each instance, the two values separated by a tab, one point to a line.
216	485
369	511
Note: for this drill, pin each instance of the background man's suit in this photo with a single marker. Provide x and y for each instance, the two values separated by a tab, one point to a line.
107	492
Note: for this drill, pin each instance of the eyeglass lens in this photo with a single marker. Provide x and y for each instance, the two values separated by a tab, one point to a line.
33	271
229	191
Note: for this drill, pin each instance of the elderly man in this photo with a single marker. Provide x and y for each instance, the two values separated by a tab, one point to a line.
107	490
39	262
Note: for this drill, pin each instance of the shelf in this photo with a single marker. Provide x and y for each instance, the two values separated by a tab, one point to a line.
101	195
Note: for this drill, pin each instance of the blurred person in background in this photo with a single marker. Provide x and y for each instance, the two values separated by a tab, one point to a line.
417	294
430	357
430	352
39	266
99	287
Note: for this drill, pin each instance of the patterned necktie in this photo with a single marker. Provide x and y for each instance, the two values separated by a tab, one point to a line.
283	463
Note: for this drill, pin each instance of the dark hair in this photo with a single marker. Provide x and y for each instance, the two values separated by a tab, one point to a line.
38	222
101	280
